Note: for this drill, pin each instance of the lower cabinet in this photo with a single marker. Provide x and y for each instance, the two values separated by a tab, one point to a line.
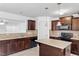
3	51
23	44
75	47
47	50
3	48
14	45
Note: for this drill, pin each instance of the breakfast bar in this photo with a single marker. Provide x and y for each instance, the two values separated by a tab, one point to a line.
54	47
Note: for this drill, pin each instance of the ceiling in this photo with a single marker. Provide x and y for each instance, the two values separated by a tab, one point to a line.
38	9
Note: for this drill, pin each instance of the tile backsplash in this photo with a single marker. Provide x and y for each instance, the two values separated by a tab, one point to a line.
58	33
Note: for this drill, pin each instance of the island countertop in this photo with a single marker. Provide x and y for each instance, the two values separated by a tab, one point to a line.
55	43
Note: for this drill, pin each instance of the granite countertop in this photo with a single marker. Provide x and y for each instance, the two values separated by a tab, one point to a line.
9	36
74	38
55	43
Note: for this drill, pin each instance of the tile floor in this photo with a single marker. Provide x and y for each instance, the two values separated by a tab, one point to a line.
30	52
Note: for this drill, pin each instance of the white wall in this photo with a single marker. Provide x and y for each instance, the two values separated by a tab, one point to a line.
2	29
19	28
43	27
12	16
22	27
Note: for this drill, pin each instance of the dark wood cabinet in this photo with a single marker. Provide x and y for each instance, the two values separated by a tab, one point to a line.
75	47
31	25
72	22
24	43
75	23
64	21
47	50
53	25
15	45
3	48
12	46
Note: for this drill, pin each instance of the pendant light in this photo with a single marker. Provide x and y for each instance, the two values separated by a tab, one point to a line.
46	9
59	23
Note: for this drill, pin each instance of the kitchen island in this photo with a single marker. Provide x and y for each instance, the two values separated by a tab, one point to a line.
52	47
74	39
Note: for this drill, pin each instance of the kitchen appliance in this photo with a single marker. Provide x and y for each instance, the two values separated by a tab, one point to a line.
66	36
63	27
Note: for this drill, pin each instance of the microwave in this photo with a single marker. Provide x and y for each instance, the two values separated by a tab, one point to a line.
63	27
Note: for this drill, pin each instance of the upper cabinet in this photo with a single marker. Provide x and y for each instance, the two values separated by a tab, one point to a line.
53	25
75	24
66	20
31	24
67	23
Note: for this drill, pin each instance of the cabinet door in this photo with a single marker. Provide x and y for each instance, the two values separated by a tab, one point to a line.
27	43
75	46
31	25
20	44
3	48
74	24
53	25
12	46
23	43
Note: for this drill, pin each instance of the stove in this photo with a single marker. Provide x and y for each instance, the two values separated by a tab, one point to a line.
66	36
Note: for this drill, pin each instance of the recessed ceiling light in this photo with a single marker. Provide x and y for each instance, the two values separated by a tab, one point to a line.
2	23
